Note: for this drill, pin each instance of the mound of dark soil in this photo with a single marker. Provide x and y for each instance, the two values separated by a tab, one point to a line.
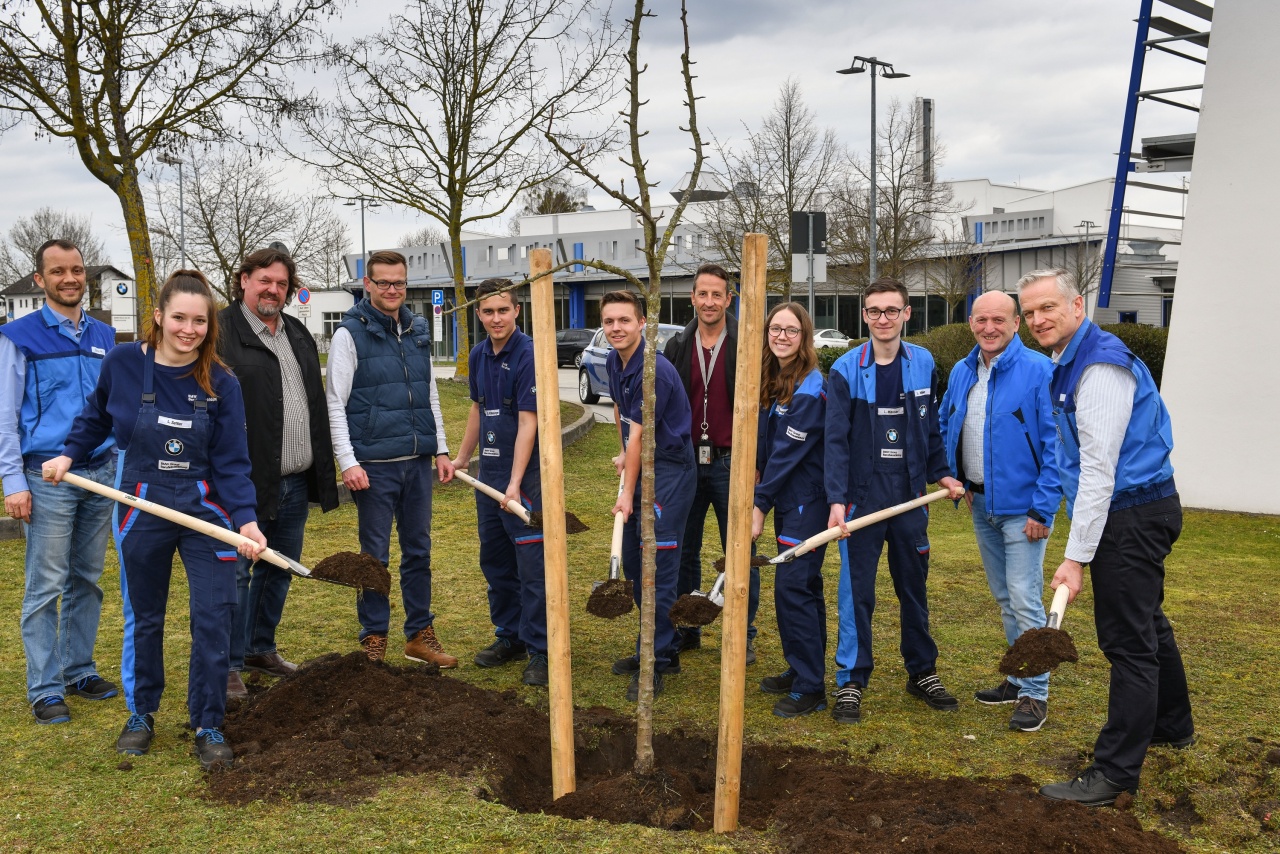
329	732
355	570
1038	651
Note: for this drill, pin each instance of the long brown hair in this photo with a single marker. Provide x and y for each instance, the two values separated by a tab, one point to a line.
190	282
778	382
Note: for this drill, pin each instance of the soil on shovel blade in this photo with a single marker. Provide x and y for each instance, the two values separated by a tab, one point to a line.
690	610
330	732
612	599
1038	651
572	524
357	570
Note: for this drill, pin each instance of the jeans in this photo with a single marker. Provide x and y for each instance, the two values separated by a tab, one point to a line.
66	545
399	491
1015	574
712	491
261	587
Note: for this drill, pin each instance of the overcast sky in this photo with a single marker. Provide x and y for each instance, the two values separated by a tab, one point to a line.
1028	93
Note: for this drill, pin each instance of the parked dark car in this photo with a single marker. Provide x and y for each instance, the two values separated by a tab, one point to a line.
569	345
593	380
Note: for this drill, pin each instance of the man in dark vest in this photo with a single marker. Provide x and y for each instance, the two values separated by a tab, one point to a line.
275	359
388	436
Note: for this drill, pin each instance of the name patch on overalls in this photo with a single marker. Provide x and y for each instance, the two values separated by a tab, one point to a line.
173	465
174	422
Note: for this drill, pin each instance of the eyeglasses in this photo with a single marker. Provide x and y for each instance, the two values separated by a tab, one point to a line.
874	313
784	331
390	286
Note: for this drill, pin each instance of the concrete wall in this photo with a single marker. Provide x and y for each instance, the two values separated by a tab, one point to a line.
1220	378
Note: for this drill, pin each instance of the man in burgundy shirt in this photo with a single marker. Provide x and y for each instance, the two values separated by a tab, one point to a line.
705	355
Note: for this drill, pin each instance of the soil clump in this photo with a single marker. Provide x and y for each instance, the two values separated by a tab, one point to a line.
1038	651
690	610
355	570
612	599
572	524
329	732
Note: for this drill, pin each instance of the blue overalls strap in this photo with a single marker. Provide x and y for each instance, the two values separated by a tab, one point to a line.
148	395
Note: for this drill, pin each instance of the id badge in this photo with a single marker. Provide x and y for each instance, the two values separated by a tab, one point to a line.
704	455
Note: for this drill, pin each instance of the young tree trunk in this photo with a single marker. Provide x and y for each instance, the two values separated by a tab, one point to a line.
129	191
463	338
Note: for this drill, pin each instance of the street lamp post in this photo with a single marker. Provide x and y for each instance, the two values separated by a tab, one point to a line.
884	69
371	203
171	160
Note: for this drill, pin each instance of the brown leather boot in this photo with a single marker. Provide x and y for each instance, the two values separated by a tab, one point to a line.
426	648
235	686
375	646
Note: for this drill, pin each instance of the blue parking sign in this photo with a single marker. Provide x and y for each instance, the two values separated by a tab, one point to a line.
437	297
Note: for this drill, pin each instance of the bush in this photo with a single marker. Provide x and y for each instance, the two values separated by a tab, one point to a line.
1148	343
827	355
948	344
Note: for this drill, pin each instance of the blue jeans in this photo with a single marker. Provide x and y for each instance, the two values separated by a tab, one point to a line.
712	491
1015	574
262	587
398	491
66	545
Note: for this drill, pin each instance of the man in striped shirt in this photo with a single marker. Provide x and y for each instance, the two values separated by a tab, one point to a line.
1114	440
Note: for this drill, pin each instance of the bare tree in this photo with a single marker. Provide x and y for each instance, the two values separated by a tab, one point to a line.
658	226
435	112
786	165
953	270
28	233
126	79
234	206
1085	264
428	235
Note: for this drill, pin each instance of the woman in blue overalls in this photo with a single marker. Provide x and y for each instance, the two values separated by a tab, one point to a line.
789	461
178	419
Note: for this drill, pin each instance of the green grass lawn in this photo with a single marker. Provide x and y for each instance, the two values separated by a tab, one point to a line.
62	789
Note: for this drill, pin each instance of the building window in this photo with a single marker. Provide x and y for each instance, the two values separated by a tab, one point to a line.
332	320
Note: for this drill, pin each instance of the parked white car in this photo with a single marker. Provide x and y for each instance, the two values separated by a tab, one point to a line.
830	338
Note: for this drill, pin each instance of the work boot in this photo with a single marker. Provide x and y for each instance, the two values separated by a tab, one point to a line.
1029	714
631	664
135	738
1173	743
633	690
51	710
928	687
426	648
500	652
751	651
213	750
688	638
1005	692
374	646
794	705
93	687
848	708
780	684
235	686
270	663
535	672
1090	788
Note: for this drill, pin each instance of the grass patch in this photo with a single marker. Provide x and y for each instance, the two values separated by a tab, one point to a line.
63	790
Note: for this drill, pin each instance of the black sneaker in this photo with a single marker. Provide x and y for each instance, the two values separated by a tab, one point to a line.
135	738
499	652
1174	743
535	672
51	710
928	687
848	708
1005	692
794	705
1090	788
780	684
687	638
93	687
1029	714
213	750
751	651
631	664
633	690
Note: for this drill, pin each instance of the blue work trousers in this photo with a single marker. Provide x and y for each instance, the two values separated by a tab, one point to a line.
798	599
511	559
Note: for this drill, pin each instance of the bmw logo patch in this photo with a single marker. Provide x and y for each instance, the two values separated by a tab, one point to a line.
891	436
490	437
122	289
924	410
173	447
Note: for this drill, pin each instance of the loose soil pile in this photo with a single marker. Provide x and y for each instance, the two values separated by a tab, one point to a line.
330	731
690	610
354	570
1038	651
612	599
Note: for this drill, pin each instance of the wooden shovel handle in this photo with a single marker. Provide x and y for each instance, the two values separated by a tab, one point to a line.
615	546
512	505
1058	609
862	522
218	532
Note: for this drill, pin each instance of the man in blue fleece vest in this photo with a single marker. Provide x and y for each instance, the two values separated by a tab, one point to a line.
882	447
1114	439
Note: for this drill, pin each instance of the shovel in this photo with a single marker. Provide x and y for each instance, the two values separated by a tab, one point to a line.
1039	651
851	526
216	531
613	598
698	608
532	519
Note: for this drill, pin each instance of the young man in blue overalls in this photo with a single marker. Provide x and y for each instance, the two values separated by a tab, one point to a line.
883	445
504	414
673	472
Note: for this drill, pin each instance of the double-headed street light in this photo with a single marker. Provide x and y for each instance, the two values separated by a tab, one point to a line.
884	69
171	160
363	201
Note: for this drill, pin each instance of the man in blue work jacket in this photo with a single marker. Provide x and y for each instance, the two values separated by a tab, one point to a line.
997	424
882	447
1114	440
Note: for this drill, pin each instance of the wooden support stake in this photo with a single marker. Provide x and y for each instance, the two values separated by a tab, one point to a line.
742	479
551	458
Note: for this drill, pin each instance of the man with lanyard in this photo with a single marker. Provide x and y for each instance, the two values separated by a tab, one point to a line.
388	436
882	447
49	363
504	411
275	358
705	356
1114	441
997	424
623	323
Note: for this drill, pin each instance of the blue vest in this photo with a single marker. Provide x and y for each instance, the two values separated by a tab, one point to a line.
389	410
61	374
1144	453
